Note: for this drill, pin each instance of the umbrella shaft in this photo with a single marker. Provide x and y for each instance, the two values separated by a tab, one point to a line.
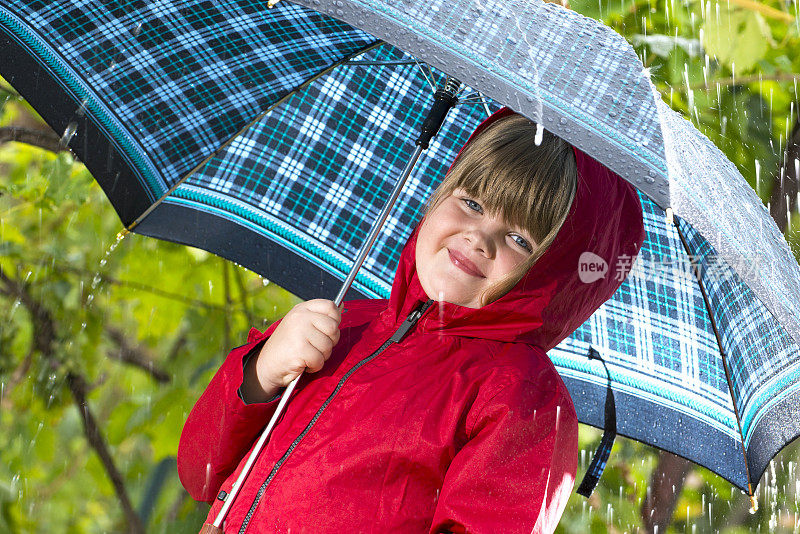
362	254
376	228
444	99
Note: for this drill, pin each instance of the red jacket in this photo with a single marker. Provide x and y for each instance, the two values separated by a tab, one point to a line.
464	425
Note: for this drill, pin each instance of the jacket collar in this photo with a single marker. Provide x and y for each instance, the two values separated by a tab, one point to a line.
551	300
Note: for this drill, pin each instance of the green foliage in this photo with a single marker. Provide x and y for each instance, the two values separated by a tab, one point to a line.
726	34
57	236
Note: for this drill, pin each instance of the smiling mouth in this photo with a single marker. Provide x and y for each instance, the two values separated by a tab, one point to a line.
461	261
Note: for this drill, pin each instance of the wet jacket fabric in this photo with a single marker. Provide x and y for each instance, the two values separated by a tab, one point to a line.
463	425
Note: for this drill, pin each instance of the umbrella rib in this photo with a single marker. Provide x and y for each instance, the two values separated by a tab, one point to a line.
430	82
722	352
258	117
478	98
381	63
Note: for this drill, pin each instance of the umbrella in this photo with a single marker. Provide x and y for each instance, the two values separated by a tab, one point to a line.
271	135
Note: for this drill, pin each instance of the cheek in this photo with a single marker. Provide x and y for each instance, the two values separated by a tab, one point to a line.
506	263
425	247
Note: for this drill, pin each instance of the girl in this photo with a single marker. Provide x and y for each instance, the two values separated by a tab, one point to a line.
437	410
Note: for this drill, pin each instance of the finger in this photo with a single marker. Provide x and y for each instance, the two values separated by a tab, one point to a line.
325	307
319	340
326	325
315	360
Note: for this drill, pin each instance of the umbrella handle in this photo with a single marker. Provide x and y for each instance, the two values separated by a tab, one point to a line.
216	527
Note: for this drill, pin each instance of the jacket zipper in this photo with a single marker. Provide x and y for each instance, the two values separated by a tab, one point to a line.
403	330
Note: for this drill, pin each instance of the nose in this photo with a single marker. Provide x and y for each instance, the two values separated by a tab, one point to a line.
480	241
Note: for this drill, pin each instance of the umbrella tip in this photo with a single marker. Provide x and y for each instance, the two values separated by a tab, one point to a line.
122	233
753	504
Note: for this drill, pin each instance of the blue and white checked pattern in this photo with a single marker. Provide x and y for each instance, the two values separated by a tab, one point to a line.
325	175
655	335
179	79
764	362
183	85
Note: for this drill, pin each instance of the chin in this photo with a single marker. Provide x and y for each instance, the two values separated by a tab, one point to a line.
453	297
452	293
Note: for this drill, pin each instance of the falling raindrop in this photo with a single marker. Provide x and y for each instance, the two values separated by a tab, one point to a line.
758	178
81	111
69	133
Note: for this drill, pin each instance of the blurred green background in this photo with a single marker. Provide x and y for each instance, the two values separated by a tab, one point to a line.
105	346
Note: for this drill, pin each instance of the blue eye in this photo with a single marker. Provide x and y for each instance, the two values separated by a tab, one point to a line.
522	242
474	206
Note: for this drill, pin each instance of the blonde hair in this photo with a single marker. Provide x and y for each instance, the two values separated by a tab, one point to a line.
532	186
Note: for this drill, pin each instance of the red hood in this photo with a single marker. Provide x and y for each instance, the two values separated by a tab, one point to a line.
550	301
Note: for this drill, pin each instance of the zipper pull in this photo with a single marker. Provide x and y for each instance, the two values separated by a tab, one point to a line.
409	322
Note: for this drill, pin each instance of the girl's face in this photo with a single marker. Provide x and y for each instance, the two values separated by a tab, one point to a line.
461	251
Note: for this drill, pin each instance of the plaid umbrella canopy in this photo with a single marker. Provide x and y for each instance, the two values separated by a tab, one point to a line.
271	136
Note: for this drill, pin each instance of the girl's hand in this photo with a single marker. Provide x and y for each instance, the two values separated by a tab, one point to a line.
302	341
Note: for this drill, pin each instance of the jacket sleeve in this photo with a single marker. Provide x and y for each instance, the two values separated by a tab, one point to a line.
517	469
221	428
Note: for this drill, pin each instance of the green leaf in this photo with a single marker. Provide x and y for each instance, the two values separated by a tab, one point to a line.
737	38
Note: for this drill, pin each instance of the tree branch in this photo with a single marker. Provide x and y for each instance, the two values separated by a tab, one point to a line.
237	275
788	186
177	346
38	138
226	289
44	338
42	320
135	356
779	77
77	386
665	487
60	267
